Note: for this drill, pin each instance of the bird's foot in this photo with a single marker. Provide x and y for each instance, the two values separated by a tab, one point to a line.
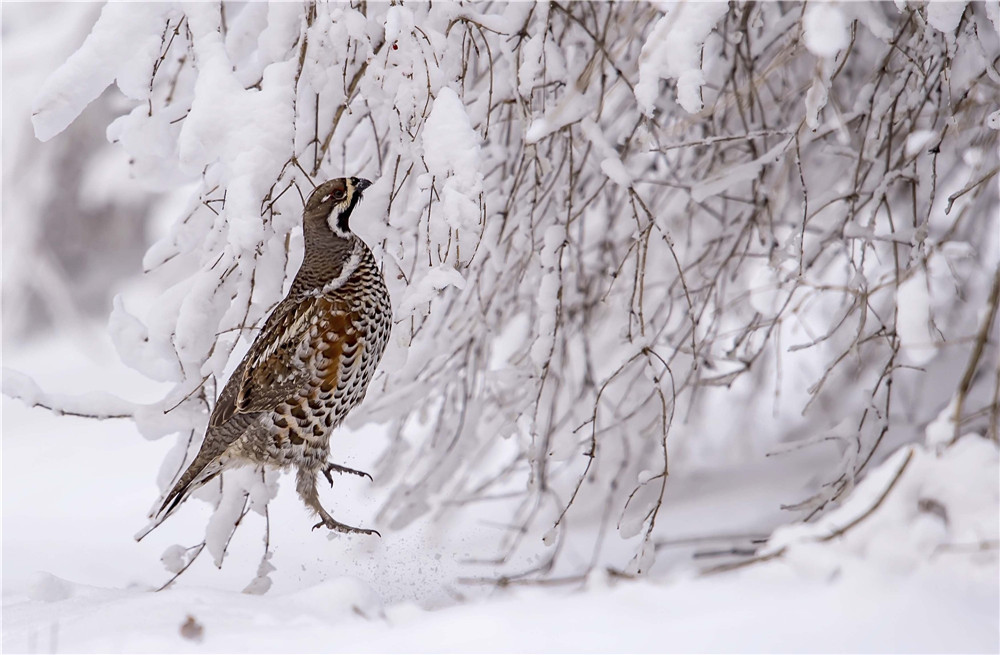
346	529
331	467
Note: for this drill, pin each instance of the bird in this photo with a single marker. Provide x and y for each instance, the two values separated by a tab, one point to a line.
309	365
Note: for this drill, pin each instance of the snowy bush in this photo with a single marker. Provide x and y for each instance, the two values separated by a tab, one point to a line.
619	238
70	228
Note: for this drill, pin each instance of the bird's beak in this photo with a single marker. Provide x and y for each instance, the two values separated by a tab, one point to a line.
360	183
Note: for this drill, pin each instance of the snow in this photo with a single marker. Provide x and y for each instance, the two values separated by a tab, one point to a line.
47	588
816	98
673	50
572	107
451	146
941	431
122	46
766	292
611	163
870	15
913	324
738	173
278	38
926	515
451	150
22	387
853	613
531	65
945	15
436	279
548	298
648	619
993	120
917	141
250	130
825	30
510	341
993	13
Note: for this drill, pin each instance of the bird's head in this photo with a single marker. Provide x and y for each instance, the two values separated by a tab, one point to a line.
332	202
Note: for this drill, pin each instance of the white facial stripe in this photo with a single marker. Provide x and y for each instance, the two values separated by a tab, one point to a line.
338	209
331	220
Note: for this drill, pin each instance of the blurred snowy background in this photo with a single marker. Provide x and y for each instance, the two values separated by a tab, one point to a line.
695	342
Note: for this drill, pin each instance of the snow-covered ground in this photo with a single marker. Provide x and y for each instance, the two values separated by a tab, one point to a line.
75	491
770	609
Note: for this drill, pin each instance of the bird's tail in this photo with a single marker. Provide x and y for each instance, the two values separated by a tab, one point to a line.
196	475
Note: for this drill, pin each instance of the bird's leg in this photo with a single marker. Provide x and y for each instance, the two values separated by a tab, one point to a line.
305	484
330	467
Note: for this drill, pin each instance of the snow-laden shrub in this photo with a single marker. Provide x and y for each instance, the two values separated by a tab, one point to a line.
70	231
617	236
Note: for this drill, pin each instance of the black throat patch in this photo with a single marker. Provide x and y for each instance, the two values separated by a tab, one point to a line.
343	219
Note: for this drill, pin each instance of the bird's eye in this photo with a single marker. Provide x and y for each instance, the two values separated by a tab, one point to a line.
339	194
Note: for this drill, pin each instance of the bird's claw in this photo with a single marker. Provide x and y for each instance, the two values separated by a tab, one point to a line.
346	529
330	467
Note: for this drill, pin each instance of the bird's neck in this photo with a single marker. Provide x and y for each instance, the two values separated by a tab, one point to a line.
326	255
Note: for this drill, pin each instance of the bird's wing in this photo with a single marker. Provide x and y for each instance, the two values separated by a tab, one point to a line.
275	367
225	406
